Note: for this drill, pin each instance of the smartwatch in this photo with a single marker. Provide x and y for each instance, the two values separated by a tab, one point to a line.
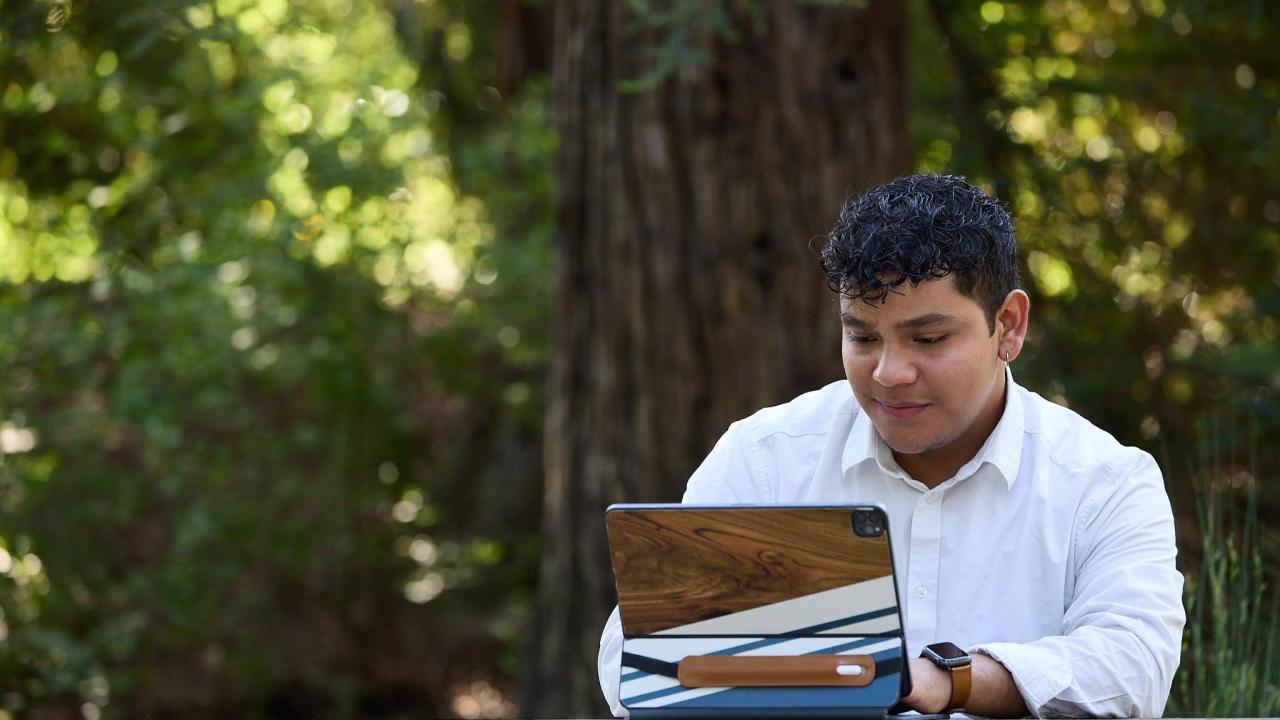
957	662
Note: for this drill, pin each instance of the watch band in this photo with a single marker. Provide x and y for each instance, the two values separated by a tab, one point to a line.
961	683
957	663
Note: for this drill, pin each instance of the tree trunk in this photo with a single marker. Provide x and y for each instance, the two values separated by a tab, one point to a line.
689	295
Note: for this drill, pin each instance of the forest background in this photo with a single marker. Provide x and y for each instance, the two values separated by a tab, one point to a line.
328	328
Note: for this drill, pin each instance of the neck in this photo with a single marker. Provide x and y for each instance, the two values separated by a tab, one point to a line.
934	467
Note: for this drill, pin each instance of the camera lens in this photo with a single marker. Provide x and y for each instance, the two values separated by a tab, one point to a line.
867	523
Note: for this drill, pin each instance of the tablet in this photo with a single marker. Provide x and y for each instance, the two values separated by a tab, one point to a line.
780	611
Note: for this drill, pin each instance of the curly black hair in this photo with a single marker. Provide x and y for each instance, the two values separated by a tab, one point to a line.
921	227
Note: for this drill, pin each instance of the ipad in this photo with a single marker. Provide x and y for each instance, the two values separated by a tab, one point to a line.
757	611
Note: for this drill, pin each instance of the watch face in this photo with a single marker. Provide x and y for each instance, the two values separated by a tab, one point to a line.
948	651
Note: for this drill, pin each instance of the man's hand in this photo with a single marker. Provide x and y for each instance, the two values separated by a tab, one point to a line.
993	693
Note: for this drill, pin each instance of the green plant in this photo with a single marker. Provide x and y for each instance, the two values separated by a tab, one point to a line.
1229	664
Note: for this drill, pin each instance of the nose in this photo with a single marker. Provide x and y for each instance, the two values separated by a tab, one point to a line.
894	368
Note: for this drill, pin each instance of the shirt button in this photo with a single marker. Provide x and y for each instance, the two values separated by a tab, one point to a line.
921	592
932	499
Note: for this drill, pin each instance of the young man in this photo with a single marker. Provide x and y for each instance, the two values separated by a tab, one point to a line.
1033	542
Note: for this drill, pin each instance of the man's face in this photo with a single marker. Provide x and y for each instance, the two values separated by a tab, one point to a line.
926	370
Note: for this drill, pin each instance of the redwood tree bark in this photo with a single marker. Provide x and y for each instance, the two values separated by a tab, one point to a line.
688	293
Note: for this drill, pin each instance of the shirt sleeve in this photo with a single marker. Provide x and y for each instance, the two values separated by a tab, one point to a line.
609	663
1122	629
730	474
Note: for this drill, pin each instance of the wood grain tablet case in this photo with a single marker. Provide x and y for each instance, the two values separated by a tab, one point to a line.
764	611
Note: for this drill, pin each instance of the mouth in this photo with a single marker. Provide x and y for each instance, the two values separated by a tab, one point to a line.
902	410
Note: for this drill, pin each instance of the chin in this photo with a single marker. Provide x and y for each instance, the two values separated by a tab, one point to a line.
904	446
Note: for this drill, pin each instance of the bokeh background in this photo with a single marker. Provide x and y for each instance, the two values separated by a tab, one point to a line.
329	327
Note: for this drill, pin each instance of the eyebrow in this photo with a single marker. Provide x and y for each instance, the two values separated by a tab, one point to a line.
848	320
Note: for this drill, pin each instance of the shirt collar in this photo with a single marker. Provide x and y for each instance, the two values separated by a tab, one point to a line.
1003	448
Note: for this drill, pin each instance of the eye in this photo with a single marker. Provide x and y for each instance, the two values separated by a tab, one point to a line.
859	339
931	340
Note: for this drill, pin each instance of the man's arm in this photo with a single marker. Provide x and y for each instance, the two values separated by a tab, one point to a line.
992	694
1122	628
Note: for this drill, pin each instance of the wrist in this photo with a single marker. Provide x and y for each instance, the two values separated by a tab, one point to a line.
930	687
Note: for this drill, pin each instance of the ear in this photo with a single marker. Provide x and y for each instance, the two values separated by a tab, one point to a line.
1011	324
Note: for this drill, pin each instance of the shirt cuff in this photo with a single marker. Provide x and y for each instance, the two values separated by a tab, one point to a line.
1039	674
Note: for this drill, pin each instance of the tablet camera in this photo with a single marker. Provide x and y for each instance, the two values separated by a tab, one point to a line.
868	523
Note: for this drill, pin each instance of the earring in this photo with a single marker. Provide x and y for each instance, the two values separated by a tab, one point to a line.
1006	356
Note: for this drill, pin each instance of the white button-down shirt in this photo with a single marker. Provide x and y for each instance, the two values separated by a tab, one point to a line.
1052	550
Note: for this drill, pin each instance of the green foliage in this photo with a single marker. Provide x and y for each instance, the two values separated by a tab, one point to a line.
682	33
1229	666
679	35
254	352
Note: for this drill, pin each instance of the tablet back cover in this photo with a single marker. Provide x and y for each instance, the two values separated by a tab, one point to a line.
763	581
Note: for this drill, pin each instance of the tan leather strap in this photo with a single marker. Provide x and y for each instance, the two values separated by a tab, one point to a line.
961	683
776	671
